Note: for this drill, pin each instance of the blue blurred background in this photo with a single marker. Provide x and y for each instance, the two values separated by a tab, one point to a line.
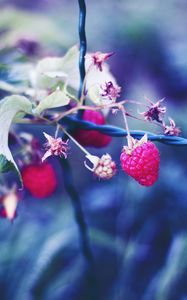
138	235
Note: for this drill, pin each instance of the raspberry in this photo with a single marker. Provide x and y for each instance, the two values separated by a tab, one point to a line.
39	179
106	168
92	138
141	163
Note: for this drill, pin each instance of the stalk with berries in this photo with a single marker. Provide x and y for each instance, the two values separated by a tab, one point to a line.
47	98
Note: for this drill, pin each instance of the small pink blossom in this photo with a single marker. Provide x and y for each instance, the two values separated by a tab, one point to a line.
55	146
171	129
99	58
155	111
110	91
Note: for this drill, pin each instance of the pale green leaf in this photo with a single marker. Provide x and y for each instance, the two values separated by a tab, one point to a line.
51	70
9	108
55	99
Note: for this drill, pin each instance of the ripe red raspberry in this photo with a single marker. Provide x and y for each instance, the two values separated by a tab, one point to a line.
92	138
39	179
141	162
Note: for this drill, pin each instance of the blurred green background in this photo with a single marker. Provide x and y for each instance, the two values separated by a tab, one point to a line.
138	235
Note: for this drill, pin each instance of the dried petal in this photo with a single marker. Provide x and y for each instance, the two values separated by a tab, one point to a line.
155	111
171	129
98	58
55	146
110	91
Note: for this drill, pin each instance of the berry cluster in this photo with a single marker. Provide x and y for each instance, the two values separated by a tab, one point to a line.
139	159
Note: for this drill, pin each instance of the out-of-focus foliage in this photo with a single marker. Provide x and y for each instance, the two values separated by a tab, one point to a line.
17	24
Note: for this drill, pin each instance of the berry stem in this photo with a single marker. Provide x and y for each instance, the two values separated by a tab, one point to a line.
57	130
80	146
129	138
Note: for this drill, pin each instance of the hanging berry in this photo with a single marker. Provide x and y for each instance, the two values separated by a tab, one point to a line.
140	160
92	138
39	179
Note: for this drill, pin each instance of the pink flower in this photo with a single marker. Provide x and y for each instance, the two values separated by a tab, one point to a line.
98	58
171	129
55	146
155	111
110	91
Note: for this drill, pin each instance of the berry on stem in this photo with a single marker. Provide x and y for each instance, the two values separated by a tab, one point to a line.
92	138
39	179
103	168
141	161
106	167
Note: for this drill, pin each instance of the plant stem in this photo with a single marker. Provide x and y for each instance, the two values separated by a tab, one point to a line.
79	145
129	138
83	45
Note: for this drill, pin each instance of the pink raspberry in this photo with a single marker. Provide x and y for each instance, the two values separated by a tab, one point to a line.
92	138
142	162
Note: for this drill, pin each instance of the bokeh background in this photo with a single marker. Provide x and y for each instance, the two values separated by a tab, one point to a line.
138	235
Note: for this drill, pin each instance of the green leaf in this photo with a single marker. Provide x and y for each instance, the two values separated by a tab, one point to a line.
51	70
55	99
5	165
9	108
